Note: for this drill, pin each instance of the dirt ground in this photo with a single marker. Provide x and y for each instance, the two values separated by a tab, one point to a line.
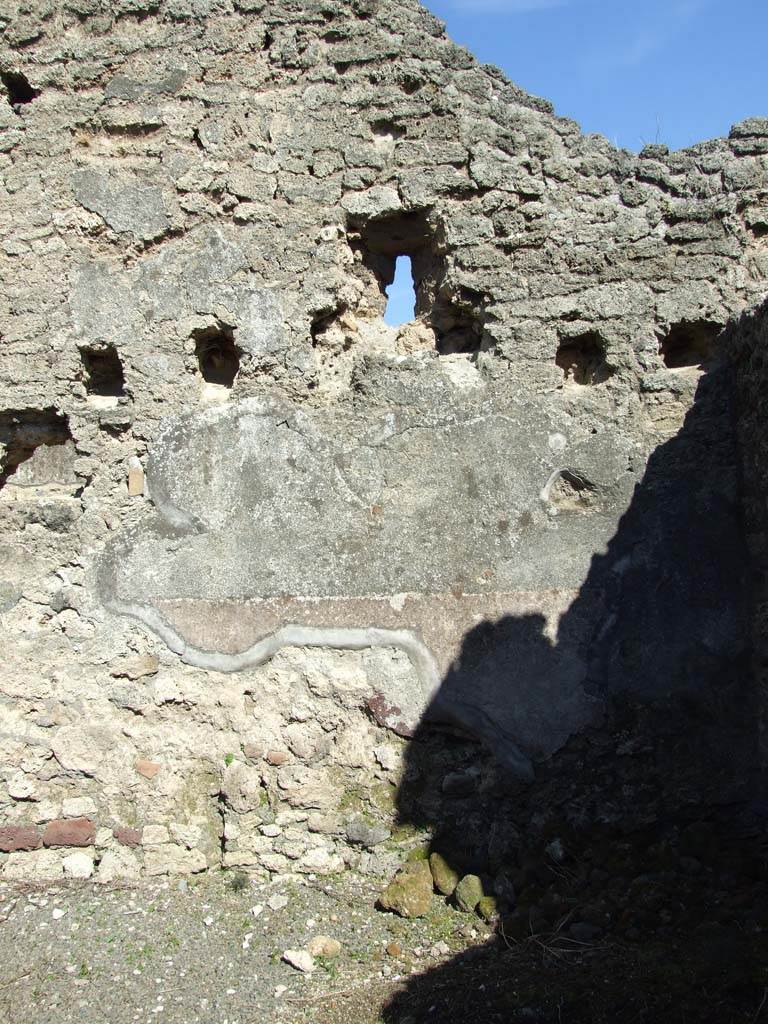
210	951
207	950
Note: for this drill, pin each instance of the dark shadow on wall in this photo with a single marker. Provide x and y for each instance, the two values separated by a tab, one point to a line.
629	877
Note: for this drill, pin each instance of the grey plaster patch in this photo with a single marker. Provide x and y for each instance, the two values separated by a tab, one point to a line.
203	275
125	204
280	527
125	88
48	464
102	305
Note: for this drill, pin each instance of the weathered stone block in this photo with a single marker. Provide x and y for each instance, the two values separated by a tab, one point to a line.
136	667
277	757
124	203
21	787
36	866
154	835
173	860
468	893
409	894
79	749
487	908
443	875
320	861
241	786
117	865
78	865
78	807
374	202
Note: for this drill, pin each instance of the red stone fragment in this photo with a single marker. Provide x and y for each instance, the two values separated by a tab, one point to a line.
389	716
148	769
277	757
19	837
70	832
128	836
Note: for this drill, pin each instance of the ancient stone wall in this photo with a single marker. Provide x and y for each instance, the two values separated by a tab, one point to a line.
746	342
249	533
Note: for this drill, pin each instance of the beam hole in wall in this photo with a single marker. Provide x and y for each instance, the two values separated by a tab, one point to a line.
217	355
458	321
387	129
23	432
18	89
582	359
324	324
103	371
689	343
410	84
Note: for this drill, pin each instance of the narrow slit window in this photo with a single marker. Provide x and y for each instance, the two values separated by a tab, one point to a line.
401	294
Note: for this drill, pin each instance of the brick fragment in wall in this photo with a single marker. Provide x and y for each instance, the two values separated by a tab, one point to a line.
128	836
277	757
69	832
19	837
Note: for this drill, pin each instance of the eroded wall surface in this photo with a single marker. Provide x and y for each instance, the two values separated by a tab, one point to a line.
250	534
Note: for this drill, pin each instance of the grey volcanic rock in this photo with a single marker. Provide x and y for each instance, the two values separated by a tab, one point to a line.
468	893
125	205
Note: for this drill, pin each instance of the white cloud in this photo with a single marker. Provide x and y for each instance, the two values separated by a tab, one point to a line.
505	6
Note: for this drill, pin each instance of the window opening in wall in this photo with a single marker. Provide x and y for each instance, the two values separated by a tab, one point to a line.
385	247
217	355
18	88
103	372
689	343
401	294
582	359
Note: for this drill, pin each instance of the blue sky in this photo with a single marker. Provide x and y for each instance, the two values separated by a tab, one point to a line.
636	71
